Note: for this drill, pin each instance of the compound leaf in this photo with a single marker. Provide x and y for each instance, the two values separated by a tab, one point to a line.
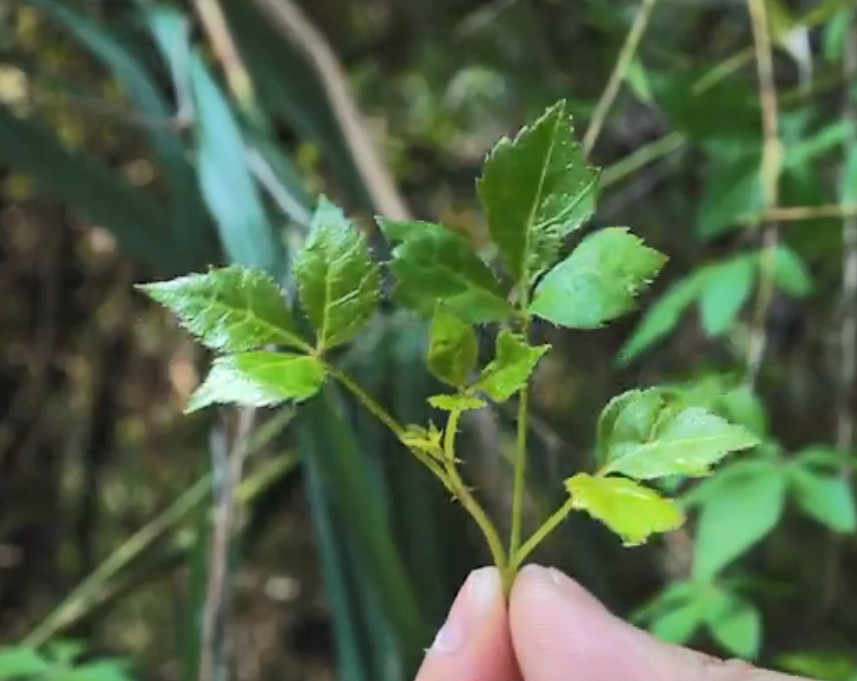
259	379
535	190
630	510
598	282
233	308
452	348
434	265
514	361
338	283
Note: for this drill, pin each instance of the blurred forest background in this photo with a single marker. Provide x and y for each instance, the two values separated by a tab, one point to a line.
140	140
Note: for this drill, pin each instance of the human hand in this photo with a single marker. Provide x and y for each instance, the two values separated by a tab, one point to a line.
554	630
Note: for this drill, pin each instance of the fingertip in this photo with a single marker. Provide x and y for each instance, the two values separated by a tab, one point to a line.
474	642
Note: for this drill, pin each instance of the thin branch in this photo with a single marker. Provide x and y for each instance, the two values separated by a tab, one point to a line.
299	30
620	70
772	154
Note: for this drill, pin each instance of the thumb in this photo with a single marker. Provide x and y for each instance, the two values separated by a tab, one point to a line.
474	642
560	631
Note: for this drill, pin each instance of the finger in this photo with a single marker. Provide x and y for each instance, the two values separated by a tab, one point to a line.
474	642
560	631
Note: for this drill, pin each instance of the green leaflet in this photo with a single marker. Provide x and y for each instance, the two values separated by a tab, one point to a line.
791	273
630	510
535	190
338	283
456	402
725	290
232	308
738	510
824	496
598	282
628	417
687	442
452	348
735	624
259	379
434	265
514	361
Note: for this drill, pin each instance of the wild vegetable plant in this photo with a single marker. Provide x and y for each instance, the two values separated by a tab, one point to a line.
536	190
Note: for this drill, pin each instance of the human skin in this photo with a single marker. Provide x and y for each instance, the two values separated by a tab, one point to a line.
554	630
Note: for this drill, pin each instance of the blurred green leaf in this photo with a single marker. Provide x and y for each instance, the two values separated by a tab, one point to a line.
456	402
452	348
434	265
17	662
848	186
598	282
638	81
259	379
738	512
687	442
735	624
535	190
630	510
790	272
726	288
679	623
824	665
339	285
742	405
828	138
233	308
732	190
662	316
227	185
826	497
628	417
514	361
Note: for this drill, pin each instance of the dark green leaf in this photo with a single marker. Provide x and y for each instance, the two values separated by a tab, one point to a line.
630	510
514	361
535	190
434	265
725	289
628	417
687	442
452	348
825	665
598	282
338	283
259	379
735	624
826	497
233	308
456	402
739	512
662	317
791	273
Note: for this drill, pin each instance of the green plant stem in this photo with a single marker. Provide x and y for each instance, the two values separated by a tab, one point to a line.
539	535
471	505
626	54
520	468
631	163
380	413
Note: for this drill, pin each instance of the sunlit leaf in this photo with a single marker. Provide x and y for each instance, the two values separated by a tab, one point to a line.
598	282
452	348
233	308
535	190
434	265
513	362
630	510
259	379
686	442
338	282
739	511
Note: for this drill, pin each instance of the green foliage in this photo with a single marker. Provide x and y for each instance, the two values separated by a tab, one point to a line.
535	190
598	281
513	363
337	280
61	661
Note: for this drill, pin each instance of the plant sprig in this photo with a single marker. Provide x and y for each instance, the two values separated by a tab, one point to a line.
536	190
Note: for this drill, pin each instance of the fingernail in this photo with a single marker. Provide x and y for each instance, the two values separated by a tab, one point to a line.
474	602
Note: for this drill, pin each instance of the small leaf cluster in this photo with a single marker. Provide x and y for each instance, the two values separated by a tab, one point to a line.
536	191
